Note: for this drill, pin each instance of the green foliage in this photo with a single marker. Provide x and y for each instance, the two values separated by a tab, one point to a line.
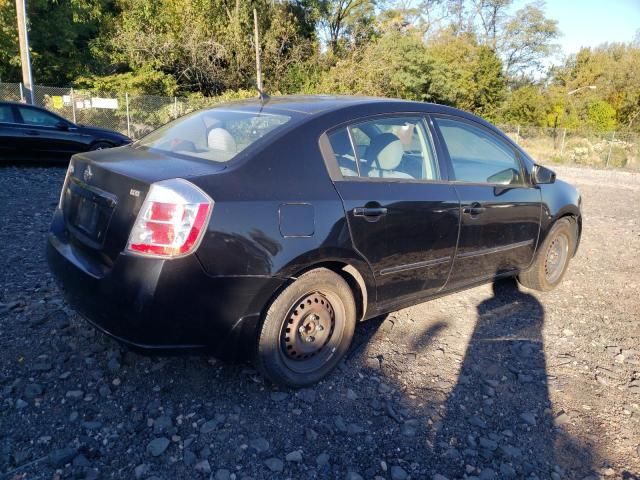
208	46
452	70
601	116
60	33
466	75
477	55
9	54
397	65
143	81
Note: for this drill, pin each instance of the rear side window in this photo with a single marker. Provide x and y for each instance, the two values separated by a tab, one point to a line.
216	134
477	155
343	151
6	114
397	147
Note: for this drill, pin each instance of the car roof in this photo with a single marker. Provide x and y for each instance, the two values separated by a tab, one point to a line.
18	104
302	108
314	104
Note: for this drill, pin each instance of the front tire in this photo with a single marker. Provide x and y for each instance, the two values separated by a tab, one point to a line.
307	329
553	257
100	146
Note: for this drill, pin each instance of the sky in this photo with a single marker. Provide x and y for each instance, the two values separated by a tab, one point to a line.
587	23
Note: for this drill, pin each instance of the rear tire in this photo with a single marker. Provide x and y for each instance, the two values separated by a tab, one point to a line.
552	258
307	329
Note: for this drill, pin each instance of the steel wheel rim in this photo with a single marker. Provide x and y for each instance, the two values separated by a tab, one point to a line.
556	258
312	331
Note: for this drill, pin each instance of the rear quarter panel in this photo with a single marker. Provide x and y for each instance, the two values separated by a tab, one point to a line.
247	236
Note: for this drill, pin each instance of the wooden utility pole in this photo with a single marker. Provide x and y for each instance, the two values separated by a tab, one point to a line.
25	57
257	42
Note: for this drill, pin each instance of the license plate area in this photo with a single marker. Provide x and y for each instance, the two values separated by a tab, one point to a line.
88	211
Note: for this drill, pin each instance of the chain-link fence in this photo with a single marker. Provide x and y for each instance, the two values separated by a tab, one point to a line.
133	115
11	92
578	147
137	115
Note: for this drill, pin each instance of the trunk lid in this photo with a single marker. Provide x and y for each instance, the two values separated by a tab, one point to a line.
105	189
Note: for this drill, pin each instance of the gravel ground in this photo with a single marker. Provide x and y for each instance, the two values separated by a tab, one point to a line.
495	382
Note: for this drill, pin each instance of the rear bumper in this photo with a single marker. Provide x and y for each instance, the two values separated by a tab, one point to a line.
162	304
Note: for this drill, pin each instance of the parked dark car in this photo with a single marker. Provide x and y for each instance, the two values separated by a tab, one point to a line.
33	133
269	229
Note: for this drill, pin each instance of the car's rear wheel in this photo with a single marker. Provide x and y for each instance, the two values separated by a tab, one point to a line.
553	257
101	145
307	329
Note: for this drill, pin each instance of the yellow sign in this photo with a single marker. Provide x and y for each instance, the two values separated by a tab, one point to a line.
57	102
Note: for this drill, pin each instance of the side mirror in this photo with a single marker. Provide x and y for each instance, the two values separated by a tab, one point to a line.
62	126
542	175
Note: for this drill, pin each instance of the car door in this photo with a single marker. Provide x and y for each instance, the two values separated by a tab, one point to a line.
8	131
403	218
46	133
500	209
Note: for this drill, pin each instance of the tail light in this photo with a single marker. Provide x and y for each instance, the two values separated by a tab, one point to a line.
172	220
65	183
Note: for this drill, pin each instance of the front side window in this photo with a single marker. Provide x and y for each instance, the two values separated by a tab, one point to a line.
477	156
32	116
216	134
395	147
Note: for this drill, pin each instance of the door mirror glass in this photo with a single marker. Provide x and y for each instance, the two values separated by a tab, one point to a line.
542	175
504	177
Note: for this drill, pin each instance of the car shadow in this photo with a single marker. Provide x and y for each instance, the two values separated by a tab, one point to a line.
494	421
497	421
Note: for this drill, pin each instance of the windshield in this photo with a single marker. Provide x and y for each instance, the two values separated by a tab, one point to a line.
217	134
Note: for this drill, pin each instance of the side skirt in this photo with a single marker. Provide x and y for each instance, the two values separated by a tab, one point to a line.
392	307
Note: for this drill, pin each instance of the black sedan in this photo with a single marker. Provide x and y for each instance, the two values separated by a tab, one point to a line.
33	133
269	229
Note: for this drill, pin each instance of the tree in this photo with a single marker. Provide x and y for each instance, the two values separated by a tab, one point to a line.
527	105
522	39
9	53
396	65
60	35
207	45
492	14
342	20
614	69
601	116
465	74
451	69
527	40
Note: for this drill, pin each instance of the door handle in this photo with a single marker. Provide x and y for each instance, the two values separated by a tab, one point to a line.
369	211
474	209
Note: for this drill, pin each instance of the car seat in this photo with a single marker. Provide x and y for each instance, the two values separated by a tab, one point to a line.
384	155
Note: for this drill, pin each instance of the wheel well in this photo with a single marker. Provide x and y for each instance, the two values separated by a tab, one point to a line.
577	220
353	278
96	142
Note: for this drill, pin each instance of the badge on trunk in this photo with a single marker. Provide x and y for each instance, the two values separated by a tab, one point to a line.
88	174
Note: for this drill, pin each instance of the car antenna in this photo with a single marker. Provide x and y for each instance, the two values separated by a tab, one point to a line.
262	95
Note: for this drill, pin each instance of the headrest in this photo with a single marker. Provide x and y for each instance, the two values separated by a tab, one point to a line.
221	139
387	150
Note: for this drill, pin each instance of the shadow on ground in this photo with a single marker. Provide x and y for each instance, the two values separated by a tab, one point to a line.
498	416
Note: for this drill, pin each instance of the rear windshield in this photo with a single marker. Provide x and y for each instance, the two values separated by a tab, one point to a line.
217	134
